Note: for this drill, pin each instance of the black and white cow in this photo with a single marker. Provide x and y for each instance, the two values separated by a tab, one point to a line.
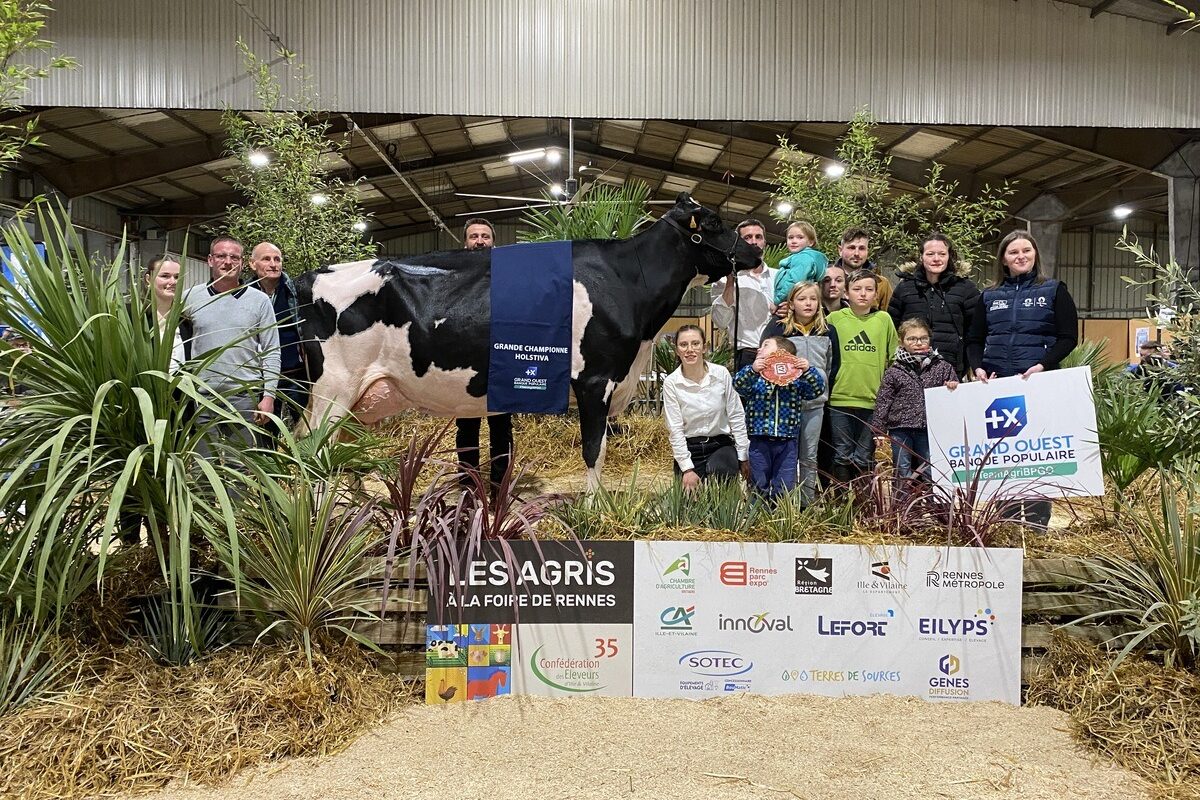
385	336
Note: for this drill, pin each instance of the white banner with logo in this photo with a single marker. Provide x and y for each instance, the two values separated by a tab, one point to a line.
936	623
1017	438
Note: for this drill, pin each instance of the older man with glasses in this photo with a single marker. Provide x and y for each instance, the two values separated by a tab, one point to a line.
237	320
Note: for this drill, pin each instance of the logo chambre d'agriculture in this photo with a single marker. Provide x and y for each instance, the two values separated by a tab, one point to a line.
677	576
1006	416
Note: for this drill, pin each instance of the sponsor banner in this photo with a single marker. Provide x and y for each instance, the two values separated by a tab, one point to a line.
548	582
715	618
574	660
1017	437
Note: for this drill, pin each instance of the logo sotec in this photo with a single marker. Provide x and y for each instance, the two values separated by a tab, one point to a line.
1006	416
716	663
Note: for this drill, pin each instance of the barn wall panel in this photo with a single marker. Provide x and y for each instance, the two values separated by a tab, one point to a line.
993	62
1095	273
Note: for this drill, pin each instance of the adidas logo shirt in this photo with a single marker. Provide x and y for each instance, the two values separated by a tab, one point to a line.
867	345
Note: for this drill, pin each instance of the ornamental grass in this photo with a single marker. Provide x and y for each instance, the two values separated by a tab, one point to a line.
129	724
1142	715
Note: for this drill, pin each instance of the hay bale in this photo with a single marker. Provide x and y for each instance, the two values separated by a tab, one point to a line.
1141	714
129	724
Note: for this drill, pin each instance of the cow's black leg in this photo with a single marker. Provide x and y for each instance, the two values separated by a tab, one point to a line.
593	416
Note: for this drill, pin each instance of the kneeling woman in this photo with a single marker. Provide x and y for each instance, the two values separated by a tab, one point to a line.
705	420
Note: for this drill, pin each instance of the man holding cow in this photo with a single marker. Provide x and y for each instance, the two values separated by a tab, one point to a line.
752	301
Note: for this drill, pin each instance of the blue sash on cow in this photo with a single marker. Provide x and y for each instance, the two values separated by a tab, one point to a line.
529	370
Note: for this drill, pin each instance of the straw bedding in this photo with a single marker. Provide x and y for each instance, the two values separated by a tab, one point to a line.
1141	714
129	724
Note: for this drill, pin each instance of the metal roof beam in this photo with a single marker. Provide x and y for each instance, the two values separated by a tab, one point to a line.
83	178
1114	145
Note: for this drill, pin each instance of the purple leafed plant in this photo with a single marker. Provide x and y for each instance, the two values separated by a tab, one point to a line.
445	528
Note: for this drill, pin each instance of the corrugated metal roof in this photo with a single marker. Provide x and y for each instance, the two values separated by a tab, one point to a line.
1036	62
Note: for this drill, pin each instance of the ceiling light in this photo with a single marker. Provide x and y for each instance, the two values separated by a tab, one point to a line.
784	208
556	189
360	226
1121	212
835	170
258	159
319	199
553	156
526	155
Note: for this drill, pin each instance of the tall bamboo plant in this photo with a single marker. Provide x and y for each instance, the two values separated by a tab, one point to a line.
96	427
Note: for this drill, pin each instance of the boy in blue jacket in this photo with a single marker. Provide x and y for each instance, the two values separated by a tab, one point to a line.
773	418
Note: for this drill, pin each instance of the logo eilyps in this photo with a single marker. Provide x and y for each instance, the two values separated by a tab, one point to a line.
1006	416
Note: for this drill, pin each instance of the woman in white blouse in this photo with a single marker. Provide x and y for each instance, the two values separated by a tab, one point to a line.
705	420
162	274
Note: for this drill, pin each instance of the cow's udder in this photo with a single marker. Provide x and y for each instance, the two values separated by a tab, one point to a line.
381	400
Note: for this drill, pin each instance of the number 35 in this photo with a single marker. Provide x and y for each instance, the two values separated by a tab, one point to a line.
605	648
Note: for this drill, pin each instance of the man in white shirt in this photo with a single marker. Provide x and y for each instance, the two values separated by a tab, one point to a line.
753	299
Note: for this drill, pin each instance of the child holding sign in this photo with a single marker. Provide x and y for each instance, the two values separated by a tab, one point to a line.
900	404
775	387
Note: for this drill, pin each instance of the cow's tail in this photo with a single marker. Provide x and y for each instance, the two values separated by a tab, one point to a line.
310	343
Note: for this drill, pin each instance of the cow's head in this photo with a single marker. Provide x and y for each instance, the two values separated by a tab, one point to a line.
718	248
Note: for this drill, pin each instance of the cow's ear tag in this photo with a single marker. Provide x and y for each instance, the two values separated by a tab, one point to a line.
692	223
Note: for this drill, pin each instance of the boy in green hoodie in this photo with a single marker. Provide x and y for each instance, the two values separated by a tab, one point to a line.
867	338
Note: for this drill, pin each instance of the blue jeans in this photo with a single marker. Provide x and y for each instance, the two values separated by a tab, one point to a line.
773	465
853	440
910	452
806	450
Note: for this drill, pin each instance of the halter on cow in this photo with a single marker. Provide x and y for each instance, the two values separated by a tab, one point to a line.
385	336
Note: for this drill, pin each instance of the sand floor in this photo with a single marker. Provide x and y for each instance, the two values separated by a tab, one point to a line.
737	747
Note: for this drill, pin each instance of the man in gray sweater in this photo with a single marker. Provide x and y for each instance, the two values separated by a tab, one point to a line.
239	318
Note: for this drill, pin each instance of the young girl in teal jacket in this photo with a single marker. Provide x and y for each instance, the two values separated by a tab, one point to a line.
804	262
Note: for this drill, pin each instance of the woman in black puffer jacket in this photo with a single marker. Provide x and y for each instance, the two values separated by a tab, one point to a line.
935	292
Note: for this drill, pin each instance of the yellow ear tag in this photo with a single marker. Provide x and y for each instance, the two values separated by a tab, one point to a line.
692	223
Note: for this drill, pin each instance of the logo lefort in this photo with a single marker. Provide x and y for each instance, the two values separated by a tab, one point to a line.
814	576
1006	416
677	576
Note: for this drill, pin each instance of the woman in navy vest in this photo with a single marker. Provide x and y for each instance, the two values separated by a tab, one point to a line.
1026	323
